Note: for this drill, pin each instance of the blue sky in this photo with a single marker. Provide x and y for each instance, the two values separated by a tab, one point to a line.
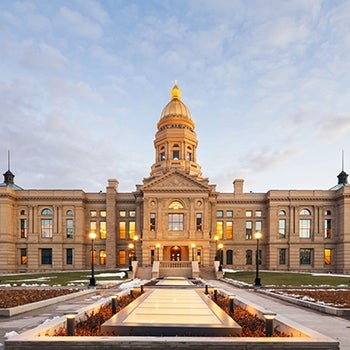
83	84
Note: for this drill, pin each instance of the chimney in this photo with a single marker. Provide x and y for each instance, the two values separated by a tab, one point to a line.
238	186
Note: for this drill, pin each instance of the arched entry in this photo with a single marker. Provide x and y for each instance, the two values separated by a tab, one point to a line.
175	253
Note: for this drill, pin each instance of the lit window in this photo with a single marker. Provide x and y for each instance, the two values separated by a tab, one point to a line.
132	229
132	213
122	230
103	230
24	230
175	205
23	256
229	230
122	213
93	213
328	228
199	221
248	213
152	222
305	212
219	226
282	213
46	228
258	226
328	256
93	226
103	213
122	257
102	257
219	213
258	213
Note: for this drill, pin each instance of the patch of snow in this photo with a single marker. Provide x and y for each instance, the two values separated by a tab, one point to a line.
10	334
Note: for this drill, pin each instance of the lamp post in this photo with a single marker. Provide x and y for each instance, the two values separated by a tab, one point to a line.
221	246
92	236
216	238
131	247
257	282
193	246
158	248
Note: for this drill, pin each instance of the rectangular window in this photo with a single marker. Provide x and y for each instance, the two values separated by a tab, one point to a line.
304	228
175	222
219	213
176	155
258	213
258	226
328	228
132	213
93	226
219	229
122	230
229	230
199	221
69	228
23	256
132	229
229	213
103	230
103	213
248	213
282	228
152	221
24	231
103	257
69	256
248	229
46	256
328	256
122	257
282	256
46	228
93	213
249	257
122	213
305	255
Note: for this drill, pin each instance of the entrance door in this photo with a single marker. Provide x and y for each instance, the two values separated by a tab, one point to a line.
175	253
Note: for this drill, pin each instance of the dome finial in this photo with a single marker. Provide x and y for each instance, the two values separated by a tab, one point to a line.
176	92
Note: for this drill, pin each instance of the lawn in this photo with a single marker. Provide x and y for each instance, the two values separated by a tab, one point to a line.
269	278
69	278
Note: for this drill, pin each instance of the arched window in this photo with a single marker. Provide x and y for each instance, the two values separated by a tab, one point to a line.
229	257
327	212
69	212
249	257
176	205
305	212
282	213
46	211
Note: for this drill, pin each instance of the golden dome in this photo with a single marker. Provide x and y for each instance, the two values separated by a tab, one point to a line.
175	108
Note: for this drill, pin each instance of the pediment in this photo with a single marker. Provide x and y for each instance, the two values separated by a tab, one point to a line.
176	181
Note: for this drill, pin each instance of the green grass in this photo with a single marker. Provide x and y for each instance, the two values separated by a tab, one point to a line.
269	278
56	278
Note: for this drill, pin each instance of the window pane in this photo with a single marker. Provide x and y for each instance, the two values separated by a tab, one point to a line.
122	257
132	229
23	256
93	213
219	213
327	256
122	229
199	221
219	226
305	256
248	229
103	230
248	213
69	228
282	228
258	213
152	222
229	213
282	256
175	222
46	256
46	228
249	257
69	256
229	230
23	224
328	228
103	213
102	257
304	228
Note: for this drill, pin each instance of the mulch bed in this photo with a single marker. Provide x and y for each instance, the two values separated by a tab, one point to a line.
16	297
339	298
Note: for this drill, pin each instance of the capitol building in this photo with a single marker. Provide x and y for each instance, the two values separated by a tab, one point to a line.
174	215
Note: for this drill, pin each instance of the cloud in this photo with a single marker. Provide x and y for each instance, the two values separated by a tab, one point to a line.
75	23
42	57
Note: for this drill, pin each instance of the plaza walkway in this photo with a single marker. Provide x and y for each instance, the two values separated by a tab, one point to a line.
331	326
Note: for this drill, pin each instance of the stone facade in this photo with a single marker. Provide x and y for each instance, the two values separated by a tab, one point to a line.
175	214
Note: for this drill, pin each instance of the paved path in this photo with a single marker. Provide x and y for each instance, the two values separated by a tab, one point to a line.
332	326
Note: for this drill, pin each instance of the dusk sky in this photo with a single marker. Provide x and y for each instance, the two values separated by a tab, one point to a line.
83	84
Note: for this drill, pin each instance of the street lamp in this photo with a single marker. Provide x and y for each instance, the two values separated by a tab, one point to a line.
193	246
221	246
92	236
216	238
158	248
257	282
131	247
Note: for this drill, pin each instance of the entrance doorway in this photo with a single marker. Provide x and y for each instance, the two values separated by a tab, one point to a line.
175	253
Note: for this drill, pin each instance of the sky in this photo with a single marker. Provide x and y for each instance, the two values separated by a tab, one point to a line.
83	84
